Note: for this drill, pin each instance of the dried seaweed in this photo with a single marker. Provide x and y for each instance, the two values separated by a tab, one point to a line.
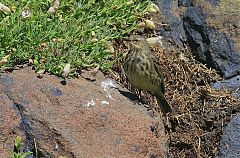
199	112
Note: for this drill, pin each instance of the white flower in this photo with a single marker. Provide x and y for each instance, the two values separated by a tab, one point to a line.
26	13
66	70
4	60
4	8
150	24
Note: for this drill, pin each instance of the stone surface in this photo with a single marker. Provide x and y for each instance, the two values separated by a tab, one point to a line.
230	144
232	84
187	26
9	122
79	119
210	46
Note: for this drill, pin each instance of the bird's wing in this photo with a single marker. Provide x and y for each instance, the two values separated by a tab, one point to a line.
156	63
159	71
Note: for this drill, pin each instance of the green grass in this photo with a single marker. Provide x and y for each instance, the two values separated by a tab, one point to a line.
73	26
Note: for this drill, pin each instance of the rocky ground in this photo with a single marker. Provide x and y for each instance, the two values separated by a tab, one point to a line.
201	62
200	113
79	119
88	118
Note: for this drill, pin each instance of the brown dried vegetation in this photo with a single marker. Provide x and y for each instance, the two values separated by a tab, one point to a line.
199	112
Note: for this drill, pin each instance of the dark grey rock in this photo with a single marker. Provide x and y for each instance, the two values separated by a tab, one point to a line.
232	84
56	92
174	30
185	3
210	46
214	2
4	79
230	142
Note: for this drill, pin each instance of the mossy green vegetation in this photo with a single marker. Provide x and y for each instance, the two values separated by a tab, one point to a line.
77	33
19	153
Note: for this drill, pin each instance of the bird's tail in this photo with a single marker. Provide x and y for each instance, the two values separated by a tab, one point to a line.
162	102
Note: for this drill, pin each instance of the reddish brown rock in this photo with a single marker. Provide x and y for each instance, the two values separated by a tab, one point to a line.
79	119
9	123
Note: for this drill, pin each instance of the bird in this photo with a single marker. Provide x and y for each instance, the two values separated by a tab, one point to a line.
143	71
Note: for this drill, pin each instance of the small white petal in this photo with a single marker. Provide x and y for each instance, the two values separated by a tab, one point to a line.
4	8
52	10
93	34
150	24
40	72
130	2
110	47
94	39
4	60
152	10
30	61
142	24
66	70
56	4
26	13
155	7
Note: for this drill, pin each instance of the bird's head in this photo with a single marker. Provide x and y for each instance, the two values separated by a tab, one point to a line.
137	41
136	38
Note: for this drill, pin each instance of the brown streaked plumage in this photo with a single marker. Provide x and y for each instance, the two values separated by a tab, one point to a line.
143	70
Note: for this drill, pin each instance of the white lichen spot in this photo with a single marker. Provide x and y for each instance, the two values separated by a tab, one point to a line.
104	103
56	146
90	104
107	84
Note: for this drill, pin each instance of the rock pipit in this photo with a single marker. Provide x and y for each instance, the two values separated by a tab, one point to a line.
143	70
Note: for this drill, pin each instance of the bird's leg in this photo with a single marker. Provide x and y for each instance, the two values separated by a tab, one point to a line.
139	92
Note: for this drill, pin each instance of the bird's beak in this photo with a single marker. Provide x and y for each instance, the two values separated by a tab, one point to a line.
126	39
